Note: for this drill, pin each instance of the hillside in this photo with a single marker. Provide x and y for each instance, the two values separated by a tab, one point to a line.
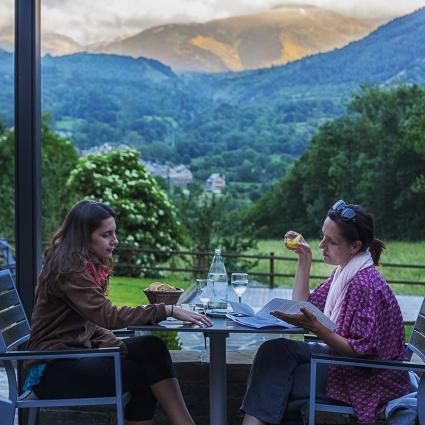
248	125
269	38
51	43
392	54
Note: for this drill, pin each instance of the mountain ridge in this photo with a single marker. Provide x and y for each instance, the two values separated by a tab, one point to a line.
396	47
237	123
263	39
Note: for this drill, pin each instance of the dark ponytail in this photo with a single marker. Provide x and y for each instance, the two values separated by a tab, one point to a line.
376	247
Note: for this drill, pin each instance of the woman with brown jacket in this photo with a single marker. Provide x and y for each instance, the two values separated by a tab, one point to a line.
72	311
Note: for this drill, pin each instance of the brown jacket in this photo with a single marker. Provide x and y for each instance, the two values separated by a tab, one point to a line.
80	316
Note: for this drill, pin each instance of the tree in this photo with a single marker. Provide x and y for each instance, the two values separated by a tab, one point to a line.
214	221
58	158
146	217
7	183
372	156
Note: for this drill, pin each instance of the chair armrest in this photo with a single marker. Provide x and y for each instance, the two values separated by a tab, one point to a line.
335	359
58	354
309	337
123	333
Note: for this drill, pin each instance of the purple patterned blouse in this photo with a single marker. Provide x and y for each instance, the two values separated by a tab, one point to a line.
371	320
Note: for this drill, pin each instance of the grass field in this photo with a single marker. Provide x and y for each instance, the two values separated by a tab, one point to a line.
128	291
396	253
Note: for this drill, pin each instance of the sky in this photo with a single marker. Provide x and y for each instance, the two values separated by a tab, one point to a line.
99	20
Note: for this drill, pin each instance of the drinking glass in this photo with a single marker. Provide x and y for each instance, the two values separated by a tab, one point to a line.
203	289
239	283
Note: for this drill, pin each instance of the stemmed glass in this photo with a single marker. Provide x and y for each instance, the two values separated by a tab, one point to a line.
239	283
203	289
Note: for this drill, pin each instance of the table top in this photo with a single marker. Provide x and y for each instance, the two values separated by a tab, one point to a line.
219	326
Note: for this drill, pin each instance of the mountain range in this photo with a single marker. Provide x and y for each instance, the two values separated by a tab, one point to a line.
392	54
263	39
239	123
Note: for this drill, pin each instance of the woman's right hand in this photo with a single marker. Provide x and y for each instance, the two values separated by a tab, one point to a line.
302	248
190	316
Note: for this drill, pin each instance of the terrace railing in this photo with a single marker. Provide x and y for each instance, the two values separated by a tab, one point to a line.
197	263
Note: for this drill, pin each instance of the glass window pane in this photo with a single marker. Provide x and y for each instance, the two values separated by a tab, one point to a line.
7	148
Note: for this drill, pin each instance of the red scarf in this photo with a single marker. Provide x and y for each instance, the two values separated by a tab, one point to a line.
100	276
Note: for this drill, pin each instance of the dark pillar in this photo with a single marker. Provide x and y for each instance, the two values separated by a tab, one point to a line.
27	148
27	153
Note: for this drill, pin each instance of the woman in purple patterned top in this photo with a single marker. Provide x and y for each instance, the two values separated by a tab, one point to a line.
368	323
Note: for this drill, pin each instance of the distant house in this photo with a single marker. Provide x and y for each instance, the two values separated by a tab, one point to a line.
64	133
175	176
105	148
215	184
157	170
180	176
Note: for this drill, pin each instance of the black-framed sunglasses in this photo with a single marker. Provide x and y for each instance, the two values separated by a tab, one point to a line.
346	213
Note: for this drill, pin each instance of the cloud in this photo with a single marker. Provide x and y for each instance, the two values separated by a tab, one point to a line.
96	20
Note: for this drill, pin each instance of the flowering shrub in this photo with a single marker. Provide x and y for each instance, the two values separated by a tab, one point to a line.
145	216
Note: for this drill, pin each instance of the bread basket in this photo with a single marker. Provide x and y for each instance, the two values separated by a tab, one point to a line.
166	297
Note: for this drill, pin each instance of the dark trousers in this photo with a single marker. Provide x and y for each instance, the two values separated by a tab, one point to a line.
147	362
280	377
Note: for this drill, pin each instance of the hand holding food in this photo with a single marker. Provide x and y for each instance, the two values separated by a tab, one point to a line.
293	243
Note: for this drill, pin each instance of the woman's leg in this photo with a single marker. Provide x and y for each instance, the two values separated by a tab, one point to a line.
270	380
147	373
94	377
169	396
152	355
251	420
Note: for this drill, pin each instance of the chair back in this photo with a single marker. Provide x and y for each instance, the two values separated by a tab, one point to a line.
14	326
416	343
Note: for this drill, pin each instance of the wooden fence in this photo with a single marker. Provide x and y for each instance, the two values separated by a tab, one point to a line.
200	261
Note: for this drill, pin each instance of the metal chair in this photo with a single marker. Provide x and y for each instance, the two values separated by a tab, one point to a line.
416	345
14	331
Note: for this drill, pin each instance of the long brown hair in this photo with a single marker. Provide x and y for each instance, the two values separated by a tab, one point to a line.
70	245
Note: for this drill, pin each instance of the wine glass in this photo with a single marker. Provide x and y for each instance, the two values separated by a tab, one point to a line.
203	289
239	283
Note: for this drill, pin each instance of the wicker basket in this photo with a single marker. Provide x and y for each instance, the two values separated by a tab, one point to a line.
166	297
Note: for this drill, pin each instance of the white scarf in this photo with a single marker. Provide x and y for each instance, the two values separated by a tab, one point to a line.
340	281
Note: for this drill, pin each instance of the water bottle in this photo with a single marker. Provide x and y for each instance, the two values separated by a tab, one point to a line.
218	276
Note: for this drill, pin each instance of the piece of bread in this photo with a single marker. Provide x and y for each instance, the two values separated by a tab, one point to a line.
293	243
159	286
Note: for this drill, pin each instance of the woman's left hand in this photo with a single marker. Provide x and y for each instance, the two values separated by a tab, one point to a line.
191	316
304	319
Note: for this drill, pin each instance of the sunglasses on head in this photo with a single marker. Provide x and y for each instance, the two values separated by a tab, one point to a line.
346	213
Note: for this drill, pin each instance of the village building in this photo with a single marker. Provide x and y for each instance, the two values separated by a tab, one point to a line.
179	175
215	184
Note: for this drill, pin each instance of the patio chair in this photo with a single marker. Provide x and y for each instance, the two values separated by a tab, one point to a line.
14	331
416	345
